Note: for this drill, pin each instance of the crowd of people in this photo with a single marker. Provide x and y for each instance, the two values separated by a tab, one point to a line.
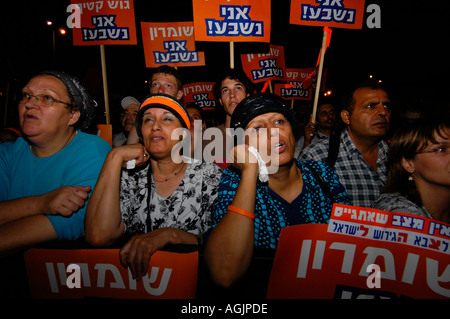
58	181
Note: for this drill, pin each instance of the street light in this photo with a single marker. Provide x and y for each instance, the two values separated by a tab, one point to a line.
50	24
61	31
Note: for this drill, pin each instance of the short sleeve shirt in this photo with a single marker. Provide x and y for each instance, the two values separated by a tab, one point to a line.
361	182
272	212
188	208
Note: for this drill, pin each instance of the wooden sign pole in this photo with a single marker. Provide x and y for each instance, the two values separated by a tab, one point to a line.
231	55
105	83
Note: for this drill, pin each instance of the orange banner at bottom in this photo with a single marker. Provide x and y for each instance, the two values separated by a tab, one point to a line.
82	273
312	263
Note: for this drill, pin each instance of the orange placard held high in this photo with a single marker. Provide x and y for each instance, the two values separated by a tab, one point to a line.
170	43
265	67
346	14
105	22
232	20
301	83
201	93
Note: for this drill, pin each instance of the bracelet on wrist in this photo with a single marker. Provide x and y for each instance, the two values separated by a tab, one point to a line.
241	211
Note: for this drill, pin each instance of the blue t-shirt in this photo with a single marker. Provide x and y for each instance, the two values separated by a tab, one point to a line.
272	212
77	164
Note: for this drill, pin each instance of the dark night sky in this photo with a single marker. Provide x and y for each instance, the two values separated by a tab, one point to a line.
409	52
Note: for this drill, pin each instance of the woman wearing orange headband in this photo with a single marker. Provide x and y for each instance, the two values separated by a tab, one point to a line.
166	199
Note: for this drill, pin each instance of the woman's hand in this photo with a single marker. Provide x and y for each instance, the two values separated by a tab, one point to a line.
242	158
310	130
136	253
64	200
131	152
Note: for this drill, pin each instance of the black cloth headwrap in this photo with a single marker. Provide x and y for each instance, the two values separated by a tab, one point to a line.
261	103
83	101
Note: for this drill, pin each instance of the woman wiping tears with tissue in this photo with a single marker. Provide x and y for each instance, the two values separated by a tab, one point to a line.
253	207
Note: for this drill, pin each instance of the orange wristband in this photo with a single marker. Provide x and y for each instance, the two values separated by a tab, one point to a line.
241	211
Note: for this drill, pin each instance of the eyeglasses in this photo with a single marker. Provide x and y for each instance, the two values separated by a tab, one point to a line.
442	148
43	99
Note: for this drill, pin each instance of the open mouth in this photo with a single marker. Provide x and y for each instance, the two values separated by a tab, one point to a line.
381	124
30	117
279	148
156	139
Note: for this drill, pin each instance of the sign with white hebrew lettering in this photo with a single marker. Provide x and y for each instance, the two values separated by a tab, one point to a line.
347	14
232	20
170	43
261	67
301	84
105	22
81	273
201	93
412	254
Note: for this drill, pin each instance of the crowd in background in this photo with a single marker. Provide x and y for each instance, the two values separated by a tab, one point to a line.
60	182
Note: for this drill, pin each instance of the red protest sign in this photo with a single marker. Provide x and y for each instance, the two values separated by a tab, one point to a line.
170	43
301	83
347	14
170	275
334	261
232	20
201	93
264	67
105	22
292	91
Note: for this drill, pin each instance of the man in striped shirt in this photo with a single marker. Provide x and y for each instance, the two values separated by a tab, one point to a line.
361	154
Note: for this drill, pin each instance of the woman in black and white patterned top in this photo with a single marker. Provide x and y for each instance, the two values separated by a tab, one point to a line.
166	199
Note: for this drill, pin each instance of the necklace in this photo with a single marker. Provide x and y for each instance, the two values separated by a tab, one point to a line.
166	179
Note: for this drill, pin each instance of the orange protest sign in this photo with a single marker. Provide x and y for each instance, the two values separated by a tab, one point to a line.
265	67
301	83
347	14
232	20
170	43
105	132
410	255
81	273
201	93
105	22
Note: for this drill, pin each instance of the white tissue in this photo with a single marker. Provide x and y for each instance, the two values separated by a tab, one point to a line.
263	171
131	164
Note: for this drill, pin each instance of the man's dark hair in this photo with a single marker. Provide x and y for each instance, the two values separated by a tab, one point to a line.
194	105
348	102
232	74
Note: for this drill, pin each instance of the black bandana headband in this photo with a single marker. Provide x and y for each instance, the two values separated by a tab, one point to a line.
83	100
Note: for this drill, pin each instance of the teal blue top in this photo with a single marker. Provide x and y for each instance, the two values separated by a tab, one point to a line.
77	164
272	212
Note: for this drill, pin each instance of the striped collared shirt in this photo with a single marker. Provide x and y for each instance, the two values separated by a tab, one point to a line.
361	182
